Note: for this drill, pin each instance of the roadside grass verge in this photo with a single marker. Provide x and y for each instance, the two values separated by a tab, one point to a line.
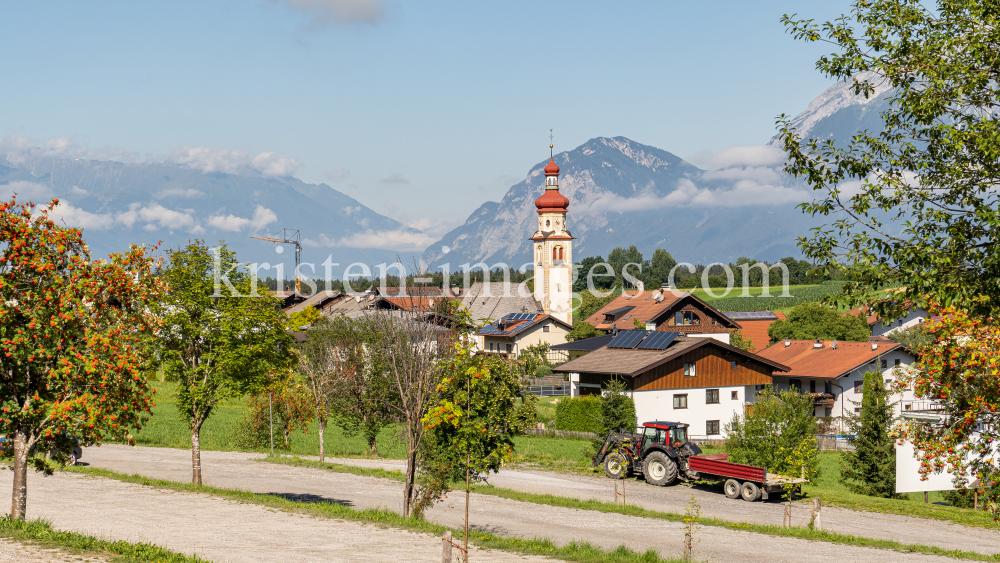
40	533
599	506
574	551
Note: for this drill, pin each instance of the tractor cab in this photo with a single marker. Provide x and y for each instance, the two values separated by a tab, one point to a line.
670	436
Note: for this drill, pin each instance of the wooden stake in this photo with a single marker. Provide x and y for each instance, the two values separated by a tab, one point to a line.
446	547
925	497
975	499
817	515
687	546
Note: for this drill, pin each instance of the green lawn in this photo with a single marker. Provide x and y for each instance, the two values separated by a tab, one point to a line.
167	429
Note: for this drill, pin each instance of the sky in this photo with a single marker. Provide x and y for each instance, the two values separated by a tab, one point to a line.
420	110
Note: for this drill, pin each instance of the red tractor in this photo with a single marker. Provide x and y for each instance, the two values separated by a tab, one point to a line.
659	450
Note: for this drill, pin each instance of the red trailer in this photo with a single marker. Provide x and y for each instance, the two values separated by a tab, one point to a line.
745	481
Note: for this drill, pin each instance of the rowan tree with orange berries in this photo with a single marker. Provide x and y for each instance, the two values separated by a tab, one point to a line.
73	340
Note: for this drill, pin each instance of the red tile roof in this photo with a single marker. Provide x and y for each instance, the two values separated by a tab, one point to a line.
645	307
827	363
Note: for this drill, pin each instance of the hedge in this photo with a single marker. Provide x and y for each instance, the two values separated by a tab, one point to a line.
582	414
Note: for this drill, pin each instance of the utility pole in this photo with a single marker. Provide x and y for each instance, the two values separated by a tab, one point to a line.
289	236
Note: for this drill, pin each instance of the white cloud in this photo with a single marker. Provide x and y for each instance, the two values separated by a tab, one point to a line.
271	164
398	239
749	155
17	149
262	216
435	228
337	176
228	222
394	179
339	11
180	192
156	214
232	161
26	191
71	216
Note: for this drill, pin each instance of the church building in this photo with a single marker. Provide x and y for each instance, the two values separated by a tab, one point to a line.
553	248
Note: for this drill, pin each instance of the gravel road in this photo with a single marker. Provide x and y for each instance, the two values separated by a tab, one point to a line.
561	525
18	552
219	530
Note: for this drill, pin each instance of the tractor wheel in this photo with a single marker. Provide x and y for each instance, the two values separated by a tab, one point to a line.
750	491
659	469
615	465
732	488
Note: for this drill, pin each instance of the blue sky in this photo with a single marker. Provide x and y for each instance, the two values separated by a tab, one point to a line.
420	110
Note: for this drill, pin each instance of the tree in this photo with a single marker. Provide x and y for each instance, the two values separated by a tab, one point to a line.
871	468
958	371
471	424
306	316
219	340
582	330
917	201
914	338
620	258
617	411
364	398
73	336
777	431
584	268
319	365
285	403
737	339
814	320
660	266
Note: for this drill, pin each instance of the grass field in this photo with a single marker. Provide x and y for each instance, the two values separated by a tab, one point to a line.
167	429
738	291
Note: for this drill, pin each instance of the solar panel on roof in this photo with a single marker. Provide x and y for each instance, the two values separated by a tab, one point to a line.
519	316
658	341
627	339
751	315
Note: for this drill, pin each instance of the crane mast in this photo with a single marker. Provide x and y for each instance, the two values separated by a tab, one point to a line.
289	236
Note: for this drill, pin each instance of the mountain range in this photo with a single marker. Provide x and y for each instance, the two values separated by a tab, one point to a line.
621	192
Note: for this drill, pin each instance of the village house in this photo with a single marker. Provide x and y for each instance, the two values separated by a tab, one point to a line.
492	301
516	331
663	310
882	327
834	372
703	382
754	325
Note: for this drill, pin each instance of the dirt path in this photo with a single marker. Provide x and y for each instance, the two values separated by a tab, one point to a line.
18	552
561	525
219	530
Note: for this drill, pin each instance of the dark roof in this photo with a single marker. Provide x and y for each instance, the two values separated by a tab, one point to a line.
585	345
751	315
638	361
666	423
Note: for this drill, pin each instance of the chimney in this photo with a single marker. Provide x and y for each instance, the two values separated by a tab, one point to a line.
834	345
874	346
787	343
818	343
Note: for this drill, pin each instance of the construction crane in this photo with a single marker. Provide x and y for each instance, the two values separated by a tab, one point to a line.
289	236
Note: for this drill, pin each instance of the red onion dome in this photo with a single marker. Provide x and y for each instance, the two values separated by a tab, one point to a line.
551	168
552	200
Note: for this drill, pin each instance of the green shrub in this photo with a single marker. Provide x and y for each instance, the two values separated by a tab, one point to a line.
582	414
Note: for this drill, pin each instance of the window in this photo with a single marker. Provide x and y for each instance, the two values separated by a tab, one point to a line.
686	318
711	427
795	384
733	365
888	382
688	369
896	362
681	401
857	410
546	328
509	348
812	385
491	346
858	385
736	395
884	364
712	396
678	436
828	388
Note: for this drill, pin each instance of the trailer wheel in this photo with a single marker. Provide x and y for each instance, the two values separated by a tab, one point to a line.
732	488
615	465
750	491
659	469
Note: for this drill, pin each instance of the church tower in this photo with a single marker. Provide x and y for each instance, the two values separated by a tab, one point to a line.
553	247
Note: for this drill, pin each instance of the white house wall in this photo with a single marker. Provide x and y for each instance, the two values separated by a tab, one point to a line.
720	336
914	317
659	405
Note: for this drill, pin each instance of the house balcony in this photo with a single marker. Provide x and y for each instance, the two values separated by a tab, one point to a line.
823	400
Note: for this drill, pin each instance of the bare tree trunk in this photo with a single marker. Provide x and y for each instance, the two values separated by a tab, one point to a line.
19	497
322	427
372	445
196	453
288	435
411	469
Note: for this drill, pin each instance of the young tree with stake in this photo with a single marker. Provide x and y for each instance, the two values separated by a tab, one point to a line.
220	340
73	333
